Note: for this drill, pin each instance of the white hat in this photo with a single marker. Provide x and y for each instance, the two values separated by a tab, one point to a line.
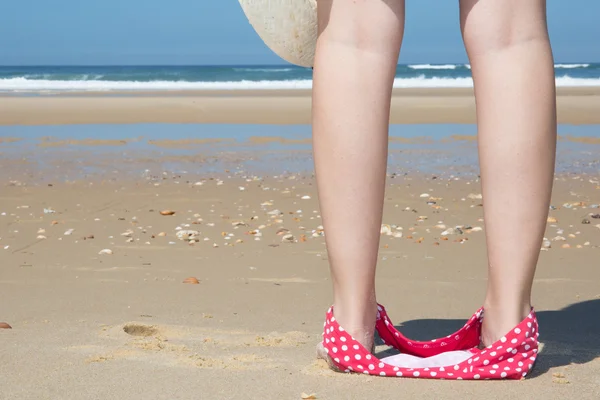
288	27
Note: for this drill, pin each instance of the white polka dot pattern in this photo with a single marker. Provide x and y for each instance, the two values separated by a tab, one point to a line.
511	357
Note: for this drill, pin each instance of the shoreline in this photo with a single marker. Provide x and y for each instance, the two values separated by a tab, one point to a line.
576	106
73	152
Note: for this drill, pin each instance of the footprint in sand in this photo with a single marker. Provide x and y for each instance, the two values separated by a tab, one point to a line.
196	347
140	330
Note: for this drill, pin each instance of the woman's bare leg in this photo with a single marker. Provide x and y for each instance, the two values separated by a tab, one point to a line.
357	54
512	64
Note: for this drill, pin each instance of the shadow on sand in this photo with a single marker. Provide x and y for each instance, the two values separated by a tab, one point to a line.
568	335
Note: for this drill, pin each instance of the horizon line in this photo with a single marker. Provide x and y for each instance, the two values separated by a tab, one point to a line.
248	65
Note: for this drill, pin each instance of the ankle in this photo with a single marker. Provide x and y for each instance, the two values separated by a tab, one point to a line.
358	321
499	319
503	308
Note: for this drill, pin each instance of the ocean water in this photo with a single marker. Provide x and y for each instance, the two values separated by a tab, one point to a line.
106	78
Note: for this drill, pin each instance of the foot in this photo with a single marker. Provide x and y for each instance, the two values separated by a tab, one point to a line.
365	334
358	319
323	355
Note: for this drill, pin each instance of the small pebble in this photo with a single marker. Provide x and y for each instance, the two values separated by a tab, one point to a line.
289	238
187	235
452	231
386	230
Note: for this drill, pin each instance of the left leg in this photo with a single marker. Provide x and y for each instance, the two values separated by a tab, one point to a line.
357	53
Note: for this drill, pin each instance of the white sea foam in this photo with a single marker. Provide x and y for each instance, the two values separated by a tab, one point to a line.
571	66
558	66
41	85
430	66
263	69
23	84
434	82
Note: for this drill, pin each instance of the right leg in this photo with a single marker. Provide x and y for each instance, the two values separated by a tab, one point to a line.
508	46
357	53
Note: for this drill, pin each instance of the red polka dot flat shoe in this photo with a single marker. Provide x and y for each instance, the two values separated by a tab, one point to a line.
455	356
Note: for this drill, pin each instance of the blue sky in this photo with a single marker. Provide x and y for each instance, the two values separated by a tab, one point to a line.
117	32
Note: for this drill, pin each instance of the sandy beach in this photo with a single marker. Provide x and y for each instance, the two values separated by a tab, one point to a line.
92	274
409	106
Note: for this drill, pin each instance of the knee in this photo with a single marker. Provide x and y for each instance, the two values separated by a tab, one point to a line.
361	23
496	25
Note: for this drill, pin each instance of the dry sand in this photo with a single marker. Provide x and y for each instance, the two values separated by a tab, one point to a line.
123	325
576	106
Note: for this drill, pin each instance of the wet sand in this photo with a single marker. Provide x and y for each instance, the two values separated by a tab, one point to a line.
409	106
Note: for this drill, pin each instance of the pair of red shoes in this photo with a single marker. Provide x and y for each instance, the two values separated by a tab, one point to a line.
511	357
